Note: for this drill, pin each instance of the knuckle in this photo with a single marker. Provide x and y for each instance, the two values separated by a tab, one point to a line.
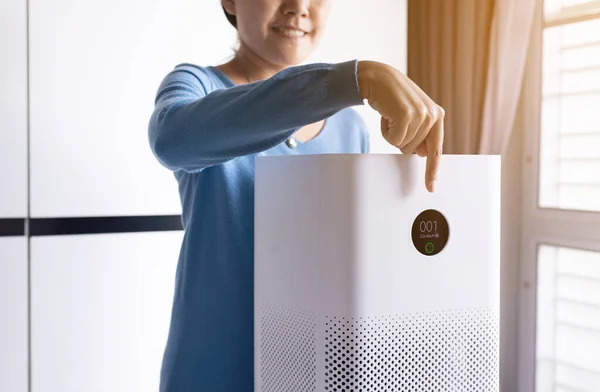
441	113
424	112
431	116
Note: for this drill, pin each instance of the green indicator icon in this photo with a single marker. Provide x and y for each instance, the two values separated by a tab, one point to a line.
429	247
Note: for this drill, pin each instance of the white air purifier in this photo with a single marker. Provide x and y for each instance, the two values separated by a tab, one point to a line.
364	281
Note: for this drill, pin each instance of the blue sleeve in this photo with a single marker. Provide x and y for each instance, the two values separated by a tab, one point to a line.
193	127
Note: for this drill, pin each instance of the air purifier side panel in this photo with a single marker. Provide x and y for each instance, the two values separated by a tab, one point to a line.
285	252
303	263
305	231
392	275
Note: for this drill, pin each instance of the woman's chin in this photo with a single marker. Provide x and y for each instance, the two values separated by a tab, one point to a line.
291	58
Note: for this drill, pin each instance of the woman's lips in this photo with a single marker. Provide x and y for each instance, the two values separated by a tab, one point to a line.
289	31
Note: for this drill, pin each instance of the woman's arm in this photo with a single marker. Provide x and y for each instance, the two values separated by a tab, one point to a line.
192	128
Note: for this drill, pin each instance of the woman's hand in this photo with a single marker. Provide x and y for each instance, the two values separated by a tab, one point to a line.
410	120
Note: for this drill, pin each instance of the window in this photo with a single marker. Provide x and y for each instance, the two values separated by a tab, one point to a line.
559	307
570	126
568	320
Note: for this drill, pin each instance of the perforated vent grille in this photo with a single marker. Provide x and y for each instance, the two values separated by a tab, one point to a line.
288	353
442	351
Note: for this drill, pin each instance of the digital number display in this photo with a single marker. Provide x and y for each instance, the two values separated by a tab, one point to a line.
428	226
430	232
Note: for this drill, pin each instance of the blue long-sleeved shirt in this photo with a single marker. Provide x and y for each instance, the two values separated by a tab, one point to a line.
208	131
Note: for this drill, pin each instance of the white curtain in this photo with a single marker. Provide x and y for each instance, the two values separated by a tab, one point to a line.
469	56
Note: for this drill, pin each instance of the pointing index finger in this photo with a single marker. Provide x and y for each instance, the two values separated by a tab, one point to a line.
434	141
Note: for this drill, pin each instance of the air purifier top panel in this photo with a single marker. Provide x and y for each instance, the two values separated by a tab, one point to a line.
355	235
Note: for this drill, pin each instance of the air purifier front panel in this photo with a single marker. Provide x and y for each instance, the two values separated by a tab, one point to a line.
364	281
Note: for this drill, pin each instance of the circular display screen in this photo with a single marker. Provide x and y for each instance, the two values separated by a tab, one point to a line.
430	232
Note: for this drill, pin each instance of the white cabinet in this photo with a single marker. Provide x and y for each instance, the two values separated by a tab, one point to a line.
95	69
13	314
101	307
13	109
13	195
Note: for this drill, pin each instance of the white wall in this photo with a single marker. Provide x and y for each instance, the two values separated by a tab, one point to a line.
102	301
367	30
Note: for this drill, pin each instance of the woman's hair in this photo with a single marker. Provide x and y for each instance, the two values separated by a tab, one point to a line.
231	18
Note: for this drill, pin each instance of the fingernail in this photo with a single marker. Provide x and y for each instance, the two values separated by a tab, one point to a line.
431	186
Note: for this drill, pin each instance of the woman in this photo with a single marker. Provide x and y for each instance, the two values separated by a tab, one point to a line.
208	126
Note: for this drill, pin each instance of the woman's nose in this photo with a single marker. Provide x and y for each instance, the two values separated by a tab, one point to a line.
297	8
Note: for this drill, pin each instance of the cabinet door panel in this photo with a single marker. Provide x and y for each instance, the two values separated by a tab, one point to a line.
95	69
100	310
13	109
13	311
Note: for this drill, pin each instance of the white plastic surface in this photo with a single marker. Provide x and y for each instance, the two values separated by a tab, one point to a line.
333	240
384	40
